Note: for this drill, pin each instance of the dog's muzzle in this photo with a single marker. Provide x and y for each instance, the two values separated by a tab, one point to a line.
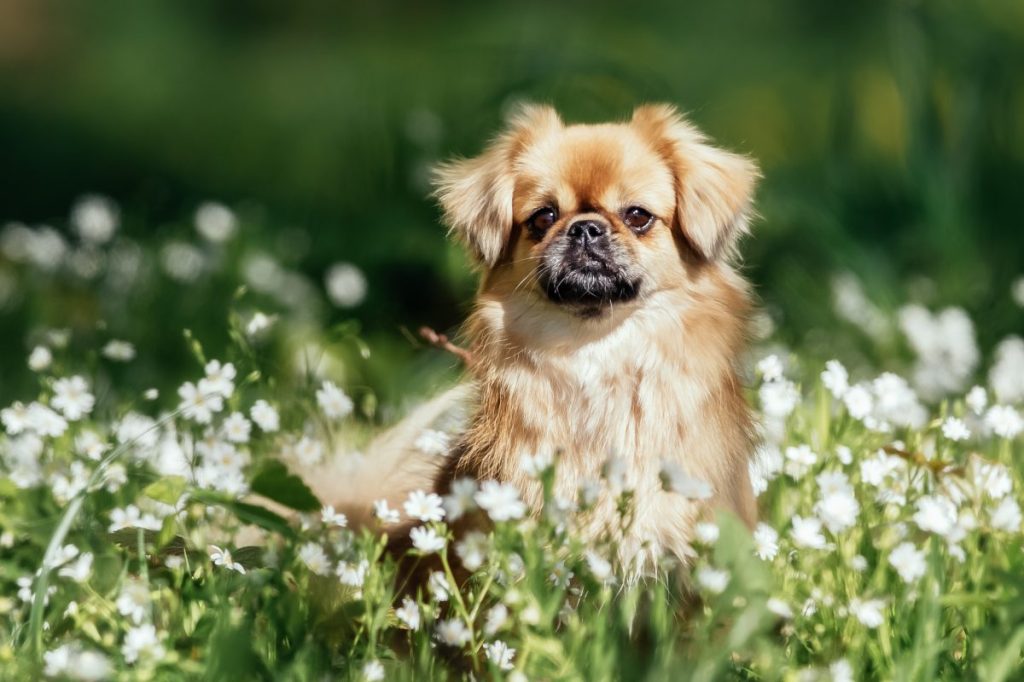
586	268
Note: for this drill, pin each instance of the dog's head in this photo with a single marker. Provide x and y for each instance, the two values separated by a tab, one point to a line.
591	216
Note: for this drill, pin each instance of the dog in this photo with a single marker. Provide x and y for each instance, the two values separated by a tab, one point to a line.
608	325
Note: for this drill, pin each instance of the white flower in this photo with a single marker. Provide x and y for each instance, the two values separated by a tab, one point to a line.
138	429
95	218
40	358
133	600
955	429
707	533
844	455
868	612
329	517
766	541
799	460
947	353
500	654
992	479
352	574
536	464
764	466
14	418
770	368
308	451
119	351
131	517
495	620
460	498
373	671
806	532
222	557
45	421
859	563
220	378
409	614
315	558
237	428
453	632
73	663
424	506
841	671
977	400
198	405
333	401
79	570
265	416
1006	516
712	579
779	398
908	561
859	402
779	607
437	583
142	642
676	479
215	222
1004	421
836	379
838	510
384	513
345	284
472	550
896	403
432	442
427	539
936	514
72	397
600	567
500	500
259	323
1007	374
89	444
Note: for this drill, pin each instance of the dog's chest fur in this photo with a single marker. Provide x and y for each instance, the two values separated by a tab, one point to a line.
639	393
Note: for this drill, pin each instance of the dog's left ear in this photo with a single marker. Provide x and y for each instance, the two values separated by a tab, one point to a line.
714	188
476	194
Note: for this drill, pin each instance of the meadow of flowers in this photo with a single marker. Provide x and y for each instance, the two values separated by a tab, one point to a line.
132	546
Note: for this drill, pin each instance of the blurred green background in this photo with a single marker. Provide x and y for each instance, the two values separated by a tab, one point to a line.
891	136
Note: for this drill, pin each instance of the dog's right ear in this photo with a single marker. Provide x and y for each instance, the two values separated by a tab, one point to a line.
476	194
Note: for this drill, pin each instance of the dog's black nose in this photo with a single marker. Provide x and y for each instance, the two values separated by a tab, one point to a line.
586	231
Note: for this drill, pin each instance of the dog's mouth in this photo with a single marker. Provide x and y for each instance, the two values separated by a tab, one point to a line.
590	287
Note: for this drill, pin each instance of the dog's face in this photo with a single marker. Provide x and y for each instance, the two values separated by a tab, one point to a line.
590	217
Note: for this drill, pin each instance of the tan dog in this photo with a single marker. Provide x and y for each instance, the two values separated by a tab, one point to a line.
608	321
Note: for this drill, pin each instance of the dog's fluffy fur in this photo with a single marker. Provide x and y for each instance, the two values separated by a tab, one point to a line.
623	346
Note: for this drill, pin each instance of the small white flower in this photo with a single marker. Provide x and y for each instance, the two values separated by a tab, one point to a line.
766	542
1007	374
265	416
799	460
220	378
859	402
841	671
472	550
779	607
936	514
500	500
308	451
329	517
859	563
844	455
977	400
908	561
1004	421
119	351
95	218
460	498
836	379
259	323
409	614
79	570
955	429
600	567
806	532
1006	516
838	510
222	557
496	619
770	368
198	405
536	464
353	574
373	671
384	513
315	558
712	579
453	632
675	478
131	517
427	539
779	398
333	401
133	600
237	428
215	222
500	654
345	284
45	421
707	533
40	358
141	642
437	583
433	443
868	612
764	467
424	506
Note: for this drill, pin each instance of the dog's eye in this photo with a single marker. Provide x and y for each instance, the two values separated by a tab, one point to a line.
637	219
542	220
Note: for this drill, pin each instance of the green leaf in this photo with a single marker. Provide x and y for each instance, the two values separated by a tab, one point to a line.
276	483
